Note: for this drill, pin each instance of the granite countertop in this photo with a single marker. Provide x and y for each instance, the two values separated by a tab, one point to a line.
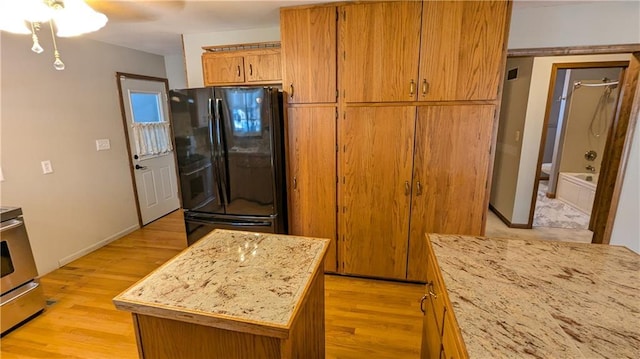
231	276
542	299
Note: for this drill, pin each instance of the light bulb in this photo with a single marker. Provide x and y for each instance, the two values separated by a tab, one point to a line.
58	64
36	45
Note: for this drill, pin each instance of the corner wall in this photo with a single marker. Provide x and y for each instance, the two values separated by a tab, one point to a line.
515	94
54	115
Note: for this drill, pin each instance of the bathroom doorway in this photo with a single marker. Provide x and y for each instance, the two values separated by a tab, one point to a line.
580	113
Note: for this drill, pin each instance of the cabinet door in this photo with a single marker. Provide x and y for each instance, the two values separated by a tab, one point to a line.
381	44
222	69
375	190
431	335
308	40
451	165
462	49
263	67
312	175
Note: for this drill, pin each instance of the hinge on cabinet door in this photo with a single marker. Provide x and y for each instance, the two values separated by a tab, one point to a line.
336	113
337	94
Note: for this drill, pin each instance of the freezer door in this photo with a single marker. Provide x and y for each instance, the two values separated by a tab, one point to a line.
247	150
199	225
194	128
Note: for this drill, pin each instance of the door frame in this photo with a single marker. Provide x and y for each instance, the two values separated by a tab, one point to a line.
126	135
552	83
618	144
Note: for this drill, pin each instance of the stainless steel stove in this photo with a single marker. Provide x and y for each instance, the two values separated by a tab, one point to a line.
22	295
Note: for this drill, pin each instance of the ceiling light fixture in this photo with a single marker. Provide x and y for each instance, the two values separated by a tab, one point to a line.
71	18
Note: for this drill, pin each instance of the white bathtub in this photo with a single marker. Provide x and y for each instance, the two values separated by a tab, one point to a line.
577	190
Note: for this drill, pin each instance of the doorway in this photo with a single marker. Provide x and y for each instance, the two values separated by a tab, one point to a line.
145	113
579	116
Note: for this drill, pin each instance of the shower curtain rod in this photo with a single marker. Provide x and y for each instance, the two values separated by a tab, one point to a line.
579	84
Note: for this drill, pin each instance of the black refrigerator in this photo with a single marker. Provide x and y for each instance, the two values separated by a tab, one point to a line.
229	145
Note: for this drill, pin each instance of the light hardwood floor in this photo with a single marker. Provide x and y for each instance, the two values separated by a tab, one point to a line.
364	318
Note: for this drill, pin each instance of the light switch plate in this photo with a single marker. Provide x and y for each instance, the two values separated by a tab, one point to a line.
46	167
103	144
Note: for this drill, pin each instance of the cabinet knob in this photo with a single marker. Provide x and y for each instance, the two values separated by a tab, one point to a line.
291	90
407	188
430	289
424	297
238	70
295	183
418	188
250	70
425	87
412	88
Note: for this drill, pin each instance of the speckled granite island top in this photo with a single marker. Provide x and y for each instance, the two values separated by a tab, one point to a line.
244	277
542	299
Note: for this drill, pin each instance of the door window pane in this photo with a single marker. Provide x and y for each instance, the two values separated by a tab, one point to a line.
145	107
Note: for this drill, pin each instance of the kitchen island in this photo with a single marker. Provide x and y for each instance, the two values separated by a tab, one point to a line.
233	295
508	298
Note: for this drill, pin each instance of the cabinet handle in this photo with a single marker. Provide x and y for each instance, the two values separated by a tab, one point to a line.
407	188
238	70
251	70
295	183
418	188
430	289
412	87
291	90
424	297
425	87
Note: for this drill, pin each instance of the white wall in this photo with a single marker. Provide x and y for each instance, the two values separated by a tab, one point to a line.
193	44
57	115
536	107
626	228
176	71
595	23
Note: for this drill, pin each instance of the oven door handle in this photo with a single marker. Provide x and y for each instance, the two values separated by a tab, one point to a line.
21	292
12	224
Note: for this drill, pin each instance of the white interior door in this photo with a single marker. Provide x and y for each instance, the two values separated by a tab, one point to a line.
147	119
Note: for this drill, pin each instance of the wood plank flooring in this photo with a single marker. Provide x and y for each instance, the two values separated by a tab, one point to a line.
364	318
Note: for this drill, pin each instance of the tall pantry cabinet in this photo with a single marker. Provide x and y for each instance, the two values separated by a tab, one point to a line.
309	79
418	87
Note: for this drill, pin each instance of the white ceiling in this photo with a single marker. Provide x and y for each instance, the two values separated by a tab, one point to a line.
156	26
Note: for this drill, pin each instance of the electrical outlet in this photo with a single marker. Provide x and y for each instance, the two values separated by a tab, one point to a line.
46	167
103	144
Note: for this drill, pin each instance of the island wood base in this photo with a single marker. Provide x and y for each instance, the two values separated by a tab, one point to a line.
169	338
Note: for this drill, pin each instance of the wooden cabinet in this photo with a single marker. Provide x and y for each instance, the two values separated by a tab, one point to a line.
441	336
375	191
381	51
309	51
241	67
451	162
462	49
312	175
425	51
418	84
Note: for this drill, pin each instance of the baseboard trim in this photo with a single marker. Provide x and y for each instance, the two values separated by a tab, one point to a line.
68	259
506	221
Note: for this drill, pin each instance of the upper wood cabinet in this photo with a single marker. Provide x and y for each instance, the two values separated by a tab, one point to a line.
312	175
424	51
462	49
380	51
241	67
309	54
375	194
450	173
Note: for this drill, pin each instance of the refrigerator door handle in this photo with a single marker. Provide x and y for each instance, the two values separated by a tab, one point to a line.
214	153
220	164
